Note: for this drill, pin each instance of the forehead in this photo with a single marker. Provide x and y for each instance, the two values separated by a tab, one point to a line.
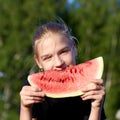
52	42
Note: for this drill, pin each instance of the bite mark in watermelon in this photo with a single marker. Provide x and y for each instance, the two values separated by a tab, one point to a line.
68	82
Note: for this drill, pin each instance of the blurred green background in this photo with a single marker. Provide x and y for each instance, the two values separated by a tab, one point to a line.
95	23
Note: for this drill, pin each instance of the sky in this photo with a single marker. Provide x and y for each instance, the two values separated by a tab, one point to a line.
70	1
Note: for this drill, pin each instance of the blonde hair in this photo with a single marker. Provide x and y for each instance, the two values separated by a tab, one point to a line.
53	27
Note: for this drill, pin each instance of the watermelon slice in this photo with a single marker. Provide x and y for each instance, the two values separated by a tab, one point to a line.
68	82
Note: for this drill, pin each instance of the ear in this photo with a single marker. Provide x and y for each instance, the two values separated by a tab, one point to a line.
37	61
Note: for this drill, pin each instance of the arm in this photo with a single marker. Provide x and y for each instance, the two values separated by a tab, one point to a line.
95	114
25	113
29	95
95	91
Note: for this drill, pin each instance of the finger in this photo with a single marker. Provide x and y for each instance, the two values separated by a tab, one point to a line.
34	98
36	89
30	88
31	91
34	94
94	92
97	81
93	95
89	87
32	101
37	94
93	85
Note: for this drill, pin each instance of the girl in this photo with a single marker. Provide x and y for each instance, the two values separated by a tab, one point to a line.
54	49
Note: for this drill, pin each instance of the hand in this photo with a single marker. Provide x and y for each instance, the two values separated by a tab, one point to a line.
94	91
30	95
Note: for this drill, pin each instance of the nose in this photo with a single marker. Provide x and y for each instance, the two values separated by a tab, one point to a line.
58	62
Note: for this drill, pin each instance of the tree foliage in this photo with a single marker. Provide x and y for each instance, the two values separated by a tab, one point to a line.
95	24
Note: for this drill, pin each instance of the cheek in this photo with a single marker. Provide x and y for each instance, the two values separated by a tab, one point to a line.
47	66
70	59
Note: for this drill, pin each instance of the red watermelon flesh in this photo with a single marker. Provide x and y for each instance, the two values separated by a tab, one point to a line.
68	82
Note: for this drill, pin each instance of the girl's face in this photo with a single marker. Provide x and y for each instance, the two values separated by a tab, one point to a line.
55	52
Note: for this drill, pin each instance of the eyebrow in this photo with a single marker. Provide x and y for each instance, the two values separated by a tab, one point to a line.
66	48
